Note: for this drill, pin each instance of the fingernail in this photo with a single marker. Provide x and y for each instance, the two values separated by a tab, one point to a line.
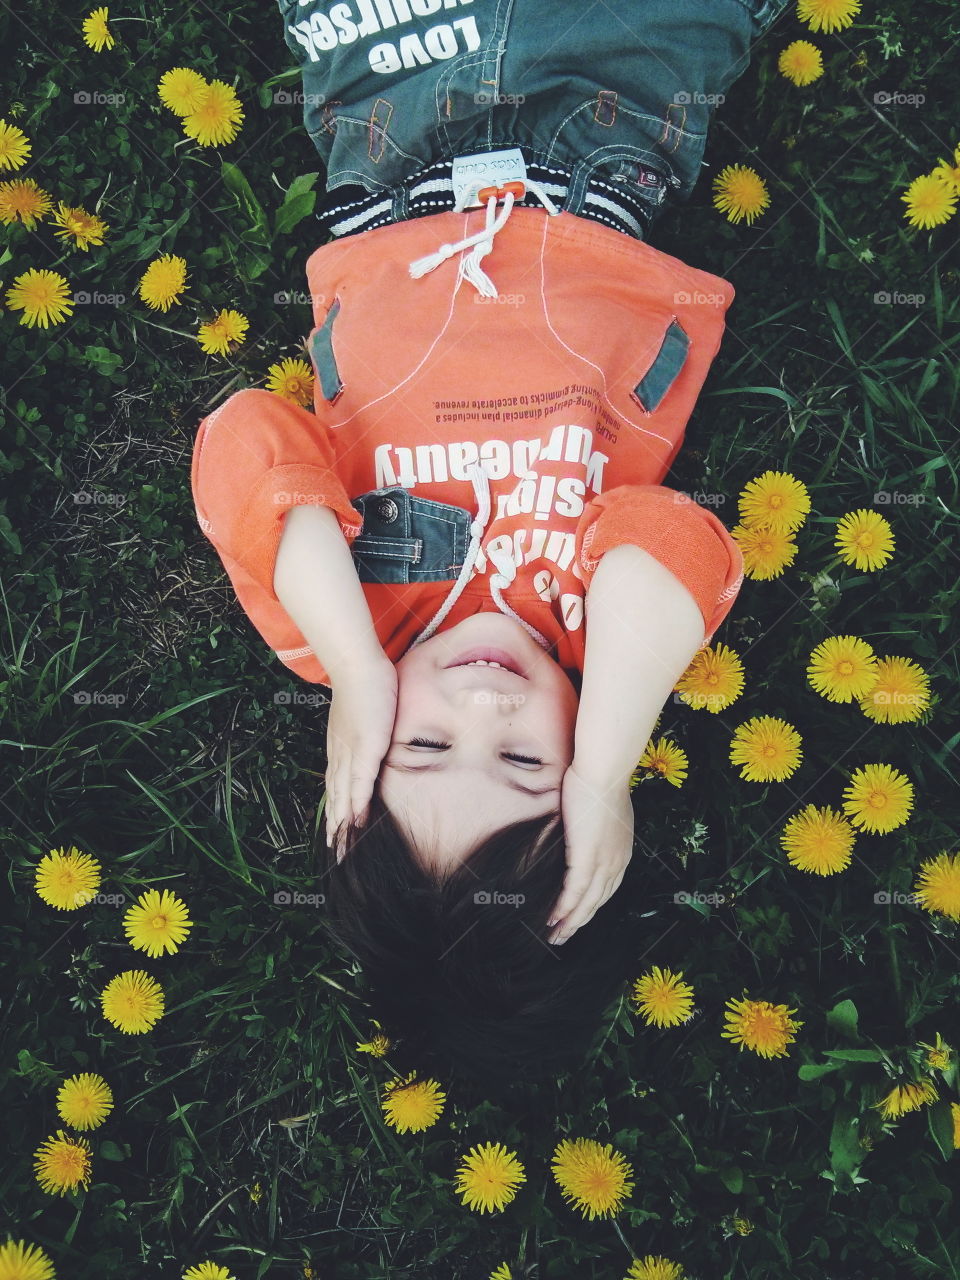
551	923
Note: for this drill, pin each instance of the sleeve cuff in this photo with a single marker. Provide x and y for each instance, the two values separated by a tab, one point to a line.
688	539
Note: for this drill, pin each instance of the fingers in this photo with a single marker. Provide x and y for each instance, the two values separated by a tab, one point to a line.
601	889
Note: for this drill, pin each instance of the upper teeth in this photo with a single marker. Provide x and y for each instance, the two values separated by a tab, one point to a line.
482	662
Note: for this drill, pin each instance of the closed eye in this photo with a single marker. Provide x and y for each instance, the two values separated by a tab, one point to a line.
443	746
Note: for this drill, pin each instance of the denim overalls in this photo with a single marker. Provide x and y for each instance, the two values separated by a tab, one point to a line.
611	101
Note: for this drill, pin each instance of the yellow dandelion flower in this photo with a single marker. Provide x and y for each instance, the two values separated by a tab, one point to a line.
67	879
664	759
818	840
488	1177
63	1163
801	62
827	15
906	1097
84	1101
216	118
292	379
901	692
22	200
96	33
713	679
662	998
157	922
842	668
502	1272
182	90
742	1226
864	539
378	1046
132	1002
256	1193
22	1261
955	1112
86	228
594	1179
950	173
930	201
654	1267
208	1271
739	192
163	281
938	885
938	1055
766	748
224	333
775	500
765	1028
766	553
43	297
878	798
15	146
411	1105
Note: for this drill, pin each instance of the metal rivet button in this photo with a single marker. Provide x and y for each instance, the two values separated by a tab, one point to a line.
387	510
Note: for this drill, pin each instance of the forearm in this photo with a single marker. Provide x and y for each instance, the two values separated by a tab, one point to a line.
643	629
316	582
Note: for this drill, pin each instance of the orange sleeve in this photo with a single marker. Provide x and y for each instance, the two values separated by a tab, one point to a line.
687	538
256	456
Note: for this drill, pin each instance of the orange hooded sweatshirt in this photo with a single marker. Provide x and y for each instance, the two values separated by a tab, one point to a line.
550	412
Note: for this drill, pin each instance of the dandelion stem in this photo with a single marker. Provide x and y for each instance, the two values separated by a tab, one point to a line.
626	1243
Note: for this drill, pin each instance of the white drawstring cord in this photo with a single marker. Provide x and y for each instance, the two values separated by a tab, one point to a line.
483	240
506	570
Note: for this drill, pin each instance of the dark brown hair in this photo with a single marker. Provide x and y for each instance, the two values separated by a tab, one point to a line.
458	967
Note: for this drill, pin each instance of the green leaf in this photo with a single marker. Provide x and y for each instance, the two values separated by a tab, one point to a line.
294	210
846	1153
814	1070
102	359
843	1018
249	205
732	1178
110	1151
940	1124
854	1055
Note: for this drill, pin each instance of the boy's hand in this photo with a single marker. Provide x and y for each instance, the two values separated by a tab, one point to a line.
362	714
598	821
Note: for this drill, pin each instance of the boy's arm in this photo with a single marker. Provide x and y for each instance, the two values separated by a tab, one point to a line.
316	582
643	630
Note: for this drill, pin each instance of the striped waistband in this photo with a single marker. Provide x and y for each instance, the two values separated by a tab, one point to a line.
345	211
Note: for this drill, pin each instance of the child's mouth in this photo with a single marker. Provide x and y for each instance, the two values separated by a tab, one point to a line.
485	654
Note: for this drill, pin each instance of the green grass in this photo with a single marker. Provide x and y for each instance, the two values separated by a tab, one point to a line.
196	779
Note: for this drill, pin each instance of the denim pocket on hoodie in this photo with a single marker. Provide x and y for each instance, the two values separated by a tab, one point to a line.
407	539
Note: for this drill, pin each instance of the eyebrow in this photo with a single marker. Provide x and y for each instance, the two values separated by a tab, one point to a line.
437	767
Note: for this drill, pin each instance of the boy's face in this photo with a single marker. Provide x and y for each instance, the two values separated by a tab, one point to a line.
499	730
